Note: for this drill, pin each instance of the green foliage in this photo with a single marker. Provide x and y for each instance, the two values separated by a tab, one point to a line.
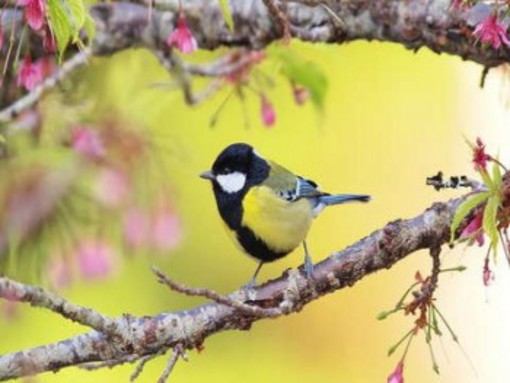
464	209
302	72
489	223
66	19
227	15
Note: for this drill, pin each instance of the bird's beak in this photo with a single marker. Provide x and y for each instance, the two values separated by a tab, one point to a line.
207	175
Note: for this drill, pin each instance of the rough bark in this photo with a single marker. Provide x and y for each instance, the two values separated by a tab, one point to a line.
132	337
414	24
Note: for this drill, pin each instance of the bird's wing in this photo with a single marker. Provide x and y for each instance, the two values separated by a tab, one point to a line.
289	186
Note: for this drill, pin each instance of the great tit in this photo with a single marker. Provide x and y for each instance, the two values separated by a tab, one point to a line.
267	209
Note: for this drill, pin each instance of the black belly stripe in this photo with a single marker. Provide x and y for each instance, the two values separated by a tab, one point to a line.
257	248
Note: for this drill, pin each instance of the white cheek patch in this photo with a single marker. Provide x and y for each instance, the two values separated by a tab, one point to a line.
232	182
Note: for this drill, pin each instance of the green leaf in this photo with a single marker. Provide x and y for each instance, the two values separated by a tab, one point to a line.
227	15
464	209
76	12
90	27
59	24
487	181
302	72
489	223
66	19
497	178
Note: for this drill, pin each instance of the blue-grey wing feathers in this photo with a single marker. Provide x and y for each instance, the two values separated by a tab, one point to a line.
342	198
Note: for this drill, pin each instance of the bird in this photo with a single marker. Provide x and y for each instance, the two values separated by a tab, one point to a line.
266	208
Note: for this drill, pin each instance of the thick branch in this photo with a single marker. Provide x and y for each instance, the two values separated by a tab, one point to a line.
415	24
121	25
140	336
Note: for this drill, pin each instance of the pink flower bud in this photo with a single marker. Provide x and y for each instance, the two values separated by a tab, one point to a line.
267	111
181	37
86	141
136	228
398	375
34	12
166	230
30	74
95	259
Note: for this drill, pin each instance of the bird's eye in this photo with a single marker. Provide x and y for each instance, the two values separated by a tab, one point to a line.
227	170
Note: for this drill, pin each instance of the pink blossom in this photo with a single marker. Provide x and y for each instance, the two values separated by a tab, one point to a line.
111	187
49	43
166	229
474	227
397	375
1	37
480	158
160	230
488	275
491	32
267	111
87	142
95	259
34	12
136	228
181	37
30	74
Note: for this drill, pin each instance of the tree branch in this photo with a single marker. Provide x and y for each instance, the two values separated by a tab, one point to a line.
138	337
414	24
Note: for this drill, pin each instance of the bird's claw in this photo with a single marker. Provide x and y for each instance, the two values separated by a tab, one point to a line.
308	267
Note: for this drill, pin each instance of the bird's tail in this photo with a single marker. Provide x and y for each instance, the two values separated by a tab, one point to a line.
334	199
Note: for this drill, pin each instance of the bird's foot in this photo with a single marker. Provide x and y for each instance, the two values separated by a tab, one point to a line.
308	267
250	284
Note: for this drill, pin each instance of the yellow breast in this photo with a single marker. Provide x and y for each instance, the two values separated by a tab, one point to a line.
281	224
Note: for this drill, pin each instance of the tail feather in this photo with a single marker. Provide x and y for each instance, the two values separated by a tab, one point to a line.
342	198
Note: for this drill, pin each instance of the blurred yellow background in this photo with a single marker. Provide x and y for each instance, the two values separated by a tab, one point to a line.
391	119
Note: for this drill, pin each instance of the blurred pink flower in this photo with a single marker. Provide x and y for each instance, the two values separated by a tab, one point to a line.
160	230
86	141
49	43
1	37
111	187
397	376
267	111
166	229
136	228
34	12
474	227
490	31
181	37
95	259
30	74
60	272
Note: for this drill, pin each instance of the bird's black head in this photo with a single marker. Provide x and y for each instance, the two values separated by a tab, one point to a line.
237	168
234	158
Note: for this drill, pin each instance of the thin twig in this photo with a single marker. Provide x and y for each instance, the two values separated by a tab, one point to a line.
216	297
143	361
38	297
109	363
177	352
27	101
176	66
281	17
